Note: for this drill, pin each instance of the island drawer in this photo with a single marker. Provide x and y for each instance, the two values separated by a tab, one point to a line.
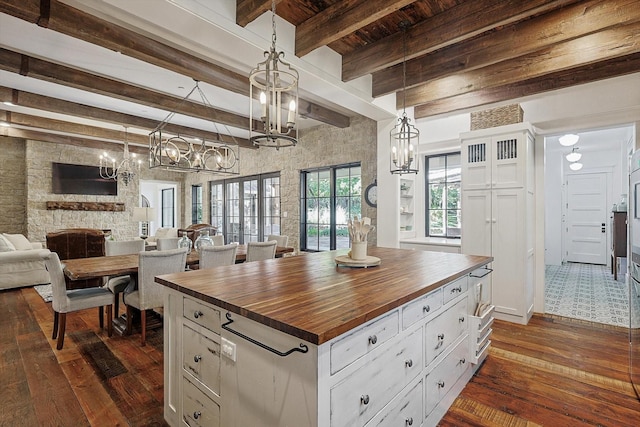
202	314
360	341
445	329
421	308
455	288
404	410
201	357
198	410
356	399
440	380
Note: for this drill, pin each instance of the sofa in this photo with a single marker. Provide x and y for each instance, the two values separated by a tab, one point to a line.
21	262
161	233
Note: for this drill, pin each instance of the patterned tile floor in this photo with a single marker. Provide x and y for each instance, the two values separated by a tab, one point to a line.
586	292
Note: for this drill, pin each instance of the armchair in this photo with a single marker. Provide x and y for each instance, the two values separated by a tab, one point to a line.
78	243
193	230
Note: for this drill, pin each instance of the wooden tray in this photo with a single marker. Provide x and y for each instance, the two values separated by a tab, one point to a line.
369	261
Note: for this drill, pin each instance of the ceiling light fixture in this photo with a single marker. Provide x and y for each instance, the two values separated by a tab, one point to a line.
184	153
569	139
576	166
404	137
573	156
126	170
275	84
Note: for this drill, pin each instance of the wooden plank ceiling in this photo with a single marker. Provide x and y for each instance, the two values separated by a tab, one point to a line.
459	54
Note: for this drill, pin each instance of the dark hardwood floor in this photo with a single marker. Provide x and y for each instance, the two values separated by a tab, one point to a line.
552	372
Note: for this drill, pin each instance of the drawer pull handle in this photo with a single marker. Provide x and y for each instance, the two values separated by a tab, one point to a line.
408	363
197	314
426	309
197	358
458	289
196	415
364	399
440	340
373	339
408	421
463	361
440	384
461	319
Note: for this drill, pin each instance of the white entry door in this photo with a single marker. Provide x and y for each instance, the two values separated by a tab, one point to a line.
587	223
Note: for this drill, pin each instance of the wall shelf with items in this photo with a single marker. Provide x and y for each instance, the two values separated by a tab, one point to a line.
407	207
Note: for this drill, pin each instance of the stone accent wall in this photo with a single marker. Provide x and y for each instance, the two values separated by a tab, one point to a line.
38	158
320	146
13	190
500	116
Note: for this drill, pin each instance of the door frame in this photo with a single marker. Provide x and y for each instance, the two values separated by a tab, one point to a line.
608	171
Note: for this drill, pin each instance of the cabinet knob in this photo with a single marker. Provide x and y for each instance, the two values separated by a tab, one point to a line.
408	363
373	339
463	361
440	340
197	358
364	399
440	384
196	415
197	314
426	309
408	421
461	319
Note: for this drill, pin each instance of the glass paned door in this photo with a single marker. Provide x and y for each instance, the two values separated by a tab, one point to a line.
271	198
250	211
233	220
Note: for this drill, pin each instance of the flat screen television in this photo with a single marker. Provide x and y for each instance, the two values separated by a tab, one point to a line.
81	179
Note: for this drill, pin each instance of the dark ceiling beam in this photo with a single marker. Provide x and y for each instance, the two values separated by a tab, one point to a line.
75	23
457	24
69	140
340	19
41	102
509	42
248	10
608	44
559	80
93	132
60	74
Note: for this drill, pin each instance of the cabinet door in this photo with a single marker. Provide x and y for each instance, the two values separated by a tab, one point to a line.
508	250
476	223
476	164
507	162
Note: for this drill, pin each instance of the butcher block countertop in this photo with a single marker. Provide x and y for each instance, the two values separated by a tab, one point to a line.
309	297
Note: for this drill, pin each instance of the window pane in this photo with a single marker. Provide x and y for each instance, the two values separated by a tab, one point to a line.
443	193
453	196
324	184
436	196
453	223
436	222
454	164
437	171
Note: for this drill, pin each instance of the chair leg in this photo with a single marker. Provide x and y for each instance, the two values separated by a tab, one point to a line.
109	321
62	326
101	316
55	325
143	325
129	320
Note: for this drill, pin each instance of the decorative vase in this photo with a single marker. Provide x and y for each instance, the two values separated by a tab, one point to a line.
185	242
203	240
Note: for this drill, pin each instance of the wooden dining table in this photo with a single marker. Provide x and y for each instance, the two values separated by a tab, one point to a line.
118	265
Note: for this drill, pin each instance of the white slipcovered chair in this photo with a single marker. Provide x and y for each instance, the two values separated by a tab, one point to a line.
148	293
117	284
66	301
166	243
218	240
257	251
282	240
216	256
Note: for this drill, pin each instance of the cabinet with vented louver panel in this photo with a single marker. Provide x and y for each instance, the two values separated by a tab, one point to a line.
497	213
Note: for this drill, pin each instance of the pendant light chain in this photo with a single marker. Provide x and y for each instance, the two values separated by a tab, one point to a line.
404	67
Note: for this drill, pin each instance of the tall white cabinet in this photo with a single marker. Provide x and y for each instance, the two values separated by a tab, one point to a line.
498	213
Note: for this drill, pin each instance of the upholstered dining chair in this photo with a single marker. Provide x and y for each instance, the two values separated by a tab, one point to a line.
149	294
66	301
282	240
166	243
257	251
117	284
218	240
216	256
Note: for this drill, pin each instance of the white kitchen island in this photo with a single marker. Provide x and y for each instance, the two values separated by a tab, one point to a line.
300	341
